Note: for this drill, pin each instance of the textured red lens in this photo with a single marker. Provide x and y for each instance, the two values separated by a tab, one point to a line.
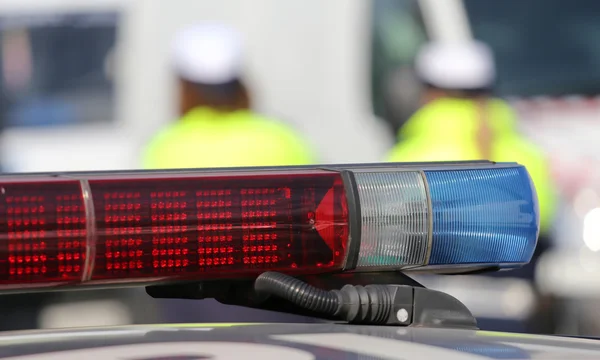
145	229
42	232
218	226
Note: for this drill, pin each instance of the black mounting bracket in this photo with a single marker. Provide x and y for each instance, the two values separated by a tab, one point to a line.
411	304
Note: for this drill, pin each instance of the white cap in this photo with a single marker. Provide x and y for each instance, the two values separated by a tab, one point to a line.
462	65
208	53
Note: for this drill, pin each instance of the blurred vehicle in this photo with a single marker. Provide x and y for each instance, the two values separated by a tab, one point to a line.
306	72
264	341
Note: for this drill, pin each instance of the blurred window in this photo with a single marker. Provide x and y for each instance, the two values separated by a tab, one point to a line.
543	47
397	33
57	69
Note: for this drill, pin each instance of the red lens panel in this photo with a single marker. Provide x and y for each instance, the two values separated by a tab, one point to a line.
200	227
42	232
150	228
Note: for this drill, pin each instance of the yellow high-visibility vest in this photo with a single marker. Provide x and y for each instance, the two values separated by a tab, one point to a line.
209	138
445	130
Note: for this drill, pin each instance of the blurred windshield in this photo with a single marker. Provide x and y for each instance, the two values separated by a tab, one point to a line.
543	47
56	69
397	34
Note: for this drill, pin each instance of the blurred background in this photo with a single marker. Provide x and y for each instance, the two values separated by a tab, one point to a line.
86	84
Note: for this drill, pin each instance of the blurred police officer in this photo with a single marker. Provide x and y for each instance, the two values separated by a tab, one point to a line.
461	120
218	127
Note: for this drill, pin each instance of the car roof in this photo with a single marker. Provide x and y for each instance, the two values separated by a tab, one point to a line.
285	341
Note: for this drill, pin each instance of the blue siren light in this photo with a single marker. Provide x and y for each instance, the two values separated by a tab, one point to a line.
483	216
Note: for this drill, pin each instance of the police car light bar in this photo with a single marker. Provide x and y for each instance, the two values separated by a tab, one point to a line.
152	227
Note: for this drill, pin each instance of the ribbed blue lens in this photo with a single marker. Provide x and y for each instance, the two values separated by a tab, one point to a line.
482	216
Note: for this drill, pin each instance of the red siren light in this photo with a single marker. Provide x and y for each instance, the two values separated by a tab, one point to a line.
151	227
